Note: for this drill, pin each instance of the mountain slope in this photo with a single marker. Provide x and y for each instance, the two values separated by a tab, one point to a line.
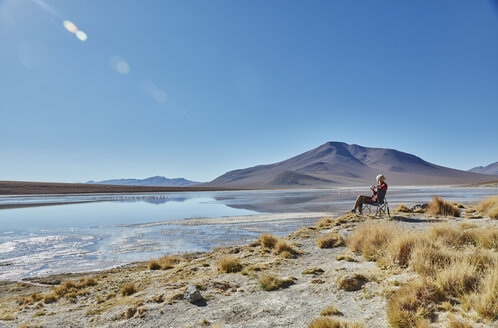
490	169
152	181
340	164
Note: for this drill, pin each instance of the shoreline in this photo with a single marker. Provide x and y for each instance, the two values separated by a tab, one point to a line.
230	299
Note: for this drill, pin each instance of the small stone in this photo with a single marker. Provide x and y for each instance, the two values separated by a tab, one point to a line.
192	294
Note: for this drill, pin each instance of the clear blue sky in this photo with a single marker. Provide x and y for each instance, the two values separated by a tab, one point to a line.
196	88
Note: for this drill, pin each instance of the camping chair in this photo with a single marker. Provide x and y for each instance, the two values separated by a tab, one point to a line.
381	204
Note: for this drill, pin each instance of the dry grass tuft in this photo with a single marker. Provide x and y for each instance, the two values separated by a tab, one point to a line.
411	306
163	263
371	239
438	206
128	289
268	241
485	300
403	208
345	257
283	246
329	322
313	270
330	310
400	248
65	288
456	323
489	207
332	239
352	282
229	264
270	282
325	222
50	298
460	277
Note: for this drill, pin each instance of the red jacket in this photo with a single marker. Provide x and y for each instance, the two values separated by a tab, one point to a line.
382	186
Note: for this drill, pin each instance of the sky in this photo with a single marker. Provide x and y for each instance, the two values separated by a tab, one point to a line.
193	89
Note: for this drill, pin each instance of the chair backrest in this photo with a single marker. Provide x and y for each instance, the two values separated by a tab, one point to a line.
381	195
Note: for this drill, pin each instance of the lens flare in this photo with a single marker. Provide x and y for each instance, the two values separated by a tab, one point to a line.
119	65
81	35
70	26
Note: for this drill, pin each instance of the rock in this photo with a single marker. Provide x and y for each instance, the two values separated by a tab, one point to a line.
417	206
192	294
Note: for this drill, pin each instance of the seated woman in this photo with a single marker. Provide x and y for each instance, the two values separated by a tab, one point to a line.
381	185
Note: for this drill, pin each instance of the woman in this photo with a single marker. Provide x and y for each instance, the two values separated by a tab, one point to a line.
381	185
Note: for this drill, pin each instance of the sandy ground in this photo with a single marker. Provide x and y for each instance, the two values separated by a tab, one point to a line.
231	299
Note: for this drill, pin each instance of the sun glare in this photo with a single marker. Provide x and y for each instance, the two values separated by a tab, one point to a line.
70	26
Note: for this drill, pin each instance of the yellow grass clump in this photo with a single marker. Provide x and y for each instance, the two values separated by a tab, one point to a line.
371	239
268	241
403	208
332	239
325	222
489	207
439	206
457	266
271	282
229	264
128	289
330	322
283	246
458	278
411	305
163	263
330	310
485	300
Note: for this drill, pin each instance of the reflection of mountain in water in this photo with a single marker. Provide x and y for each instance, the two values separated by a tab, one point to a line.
320	201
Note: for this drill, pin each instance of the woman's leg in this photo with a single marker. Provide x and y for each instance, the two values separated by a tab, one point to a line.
358	205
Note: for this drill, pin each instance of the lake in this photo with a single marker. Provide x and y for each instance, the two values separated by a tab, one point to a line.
93	232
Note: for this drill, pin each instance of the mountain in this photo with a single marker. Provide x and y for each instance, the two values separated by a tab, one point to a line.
339	164
490	169
156	181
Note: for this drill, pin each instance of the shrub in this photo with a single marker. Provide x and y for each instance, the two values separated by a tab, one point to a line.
489	207
438	206
270	282
268	241
128	289
332	239
229	264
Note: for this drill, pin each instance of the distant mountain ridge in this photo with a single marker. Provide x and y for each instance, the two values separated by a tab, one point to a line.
490	169
157	181
339	164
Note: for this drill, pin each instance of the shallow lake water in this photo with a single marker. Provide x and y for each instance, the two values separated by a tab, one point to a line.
91	232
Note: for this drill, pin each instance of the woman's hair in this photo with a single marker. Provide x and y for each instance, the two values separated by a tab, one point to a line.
381	178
